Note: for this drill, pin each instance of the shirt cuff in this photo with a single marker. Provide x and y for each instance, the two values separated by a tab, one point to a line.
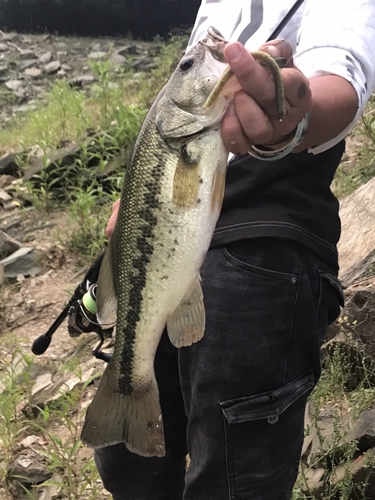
320	61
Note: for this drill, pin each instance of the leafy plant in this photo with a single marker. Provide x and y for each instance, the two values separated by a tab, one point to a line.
15	391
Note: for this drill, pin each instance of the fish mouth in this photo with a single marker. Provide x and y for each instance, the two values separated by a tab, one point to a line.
215	43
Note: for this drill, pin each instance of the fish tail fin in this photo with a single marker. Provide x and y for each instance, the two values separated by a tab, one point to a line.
133	419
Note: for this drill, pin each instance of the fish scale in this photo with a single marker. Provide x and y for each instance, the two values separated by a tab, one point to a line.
149	277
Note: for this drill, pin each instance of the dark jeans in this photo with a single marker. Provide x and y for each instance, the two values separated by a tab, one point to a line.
243	387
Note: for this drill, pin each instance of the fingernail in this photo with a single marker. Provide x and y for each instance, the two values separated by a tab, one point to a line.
232	52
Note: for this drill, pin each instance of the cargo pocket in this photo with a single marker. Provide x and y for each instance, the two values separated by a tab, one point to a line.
331	297
264	435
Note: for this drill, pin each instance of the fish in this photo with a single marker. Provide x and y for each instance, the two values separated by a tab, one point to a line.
150	275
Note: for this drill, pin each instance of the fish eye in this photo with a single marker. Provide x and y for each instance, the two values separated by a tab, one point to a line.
187	63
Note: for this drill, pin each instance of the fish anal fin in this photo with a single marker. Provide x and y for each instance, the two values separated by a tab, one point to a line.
133	419
186	324
106	300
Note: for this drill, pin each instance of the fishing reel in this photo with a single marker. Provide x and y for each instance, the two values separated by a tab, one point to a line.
81	313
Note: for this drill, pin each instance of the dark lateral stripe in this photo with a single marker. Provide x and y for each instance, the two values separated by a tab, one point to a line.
137	281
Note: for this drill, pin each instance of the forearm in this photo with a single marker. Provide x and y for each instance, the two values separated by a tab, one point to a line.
334	105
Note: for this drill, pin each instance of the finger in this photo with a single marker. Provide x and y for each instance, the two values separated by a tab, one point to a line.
279	49
116	205
255	123
253	78
296	91
112	220
232	133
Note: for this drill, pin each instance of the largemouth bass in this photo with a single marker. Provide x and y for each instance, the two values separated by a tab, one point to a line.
170	203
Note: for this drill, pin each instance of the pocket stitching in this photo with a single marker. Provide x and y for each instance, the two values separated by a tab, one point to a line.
259	271
276	408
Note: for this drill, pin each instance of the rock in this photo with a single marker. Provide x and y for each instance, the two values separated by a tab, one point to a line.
4	197
3	72
8	165
6	180
14	84
97	55
51	491
143	64
8	245
357	243
24	261
3	47
118	58
127	50
363	431
29	441
52	67
2	274
82	81
24	462
33	72
27	54
359	313
35	473
41	383
45	58
28	63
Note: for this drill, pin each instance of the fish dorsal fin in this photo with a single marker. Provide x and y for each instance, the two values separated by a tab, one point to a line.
186	324
106	302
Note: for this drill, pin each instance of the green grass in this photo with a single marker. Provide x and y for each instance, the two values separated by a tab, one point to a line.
361	168
111	116
103	123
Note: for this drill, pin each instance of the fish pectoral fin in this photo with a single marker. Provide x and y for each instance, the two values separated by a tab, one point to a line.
133	419
186	324
186	180
106	301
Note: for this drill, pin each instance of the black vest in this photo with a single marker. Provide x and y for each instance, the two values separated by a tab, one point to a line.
288	198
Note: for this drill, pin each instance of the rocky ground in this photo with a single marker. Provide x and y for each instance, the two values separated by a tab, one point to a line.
30	64
38	274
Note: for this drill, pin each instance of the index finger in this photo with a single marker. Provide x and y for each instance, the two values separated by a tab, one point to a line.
253	77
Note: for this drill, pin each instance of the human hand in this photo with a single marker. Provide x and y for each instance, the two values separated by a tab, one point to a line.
112	220
252	118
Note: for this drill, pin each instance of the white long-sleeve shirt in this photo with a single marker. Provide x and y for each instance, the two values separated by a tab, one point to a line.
328	37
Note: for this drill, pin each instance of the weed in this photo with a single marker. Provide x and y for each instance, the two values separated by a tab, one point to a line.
350	176
87	236
77	478
341	399
16	390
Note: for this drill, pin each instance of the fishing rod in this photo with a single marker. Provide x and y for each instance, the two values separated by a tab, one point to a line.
276	32
82	314
81	307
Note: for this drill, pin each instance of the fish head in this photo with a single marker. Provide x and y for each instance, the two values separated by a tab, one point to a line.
181	109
